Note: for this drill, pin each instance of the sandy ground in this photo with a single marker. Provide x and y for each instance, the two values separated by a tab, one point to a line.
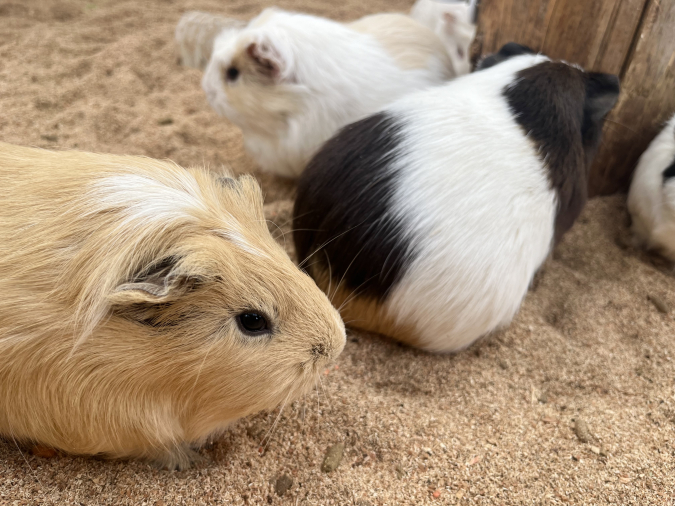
492	425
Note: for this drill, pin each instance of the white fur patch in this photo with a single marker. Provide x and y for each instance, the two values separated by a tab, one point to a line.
473	268
145	199
651	202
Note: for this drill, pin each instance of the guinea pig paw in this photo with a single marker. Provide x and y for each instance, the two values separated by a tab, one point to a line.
178	458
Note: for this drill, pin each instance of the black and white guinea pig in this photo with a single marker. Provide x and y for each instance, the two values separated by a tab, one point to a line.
651	200
427	221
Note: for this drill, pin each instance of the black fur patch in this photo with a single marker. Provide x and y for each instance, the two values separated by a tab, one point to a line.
669	172
507	51
341	216
562	109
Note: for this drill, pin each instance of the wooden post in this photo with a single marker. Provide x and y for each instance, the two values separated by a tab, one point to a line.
634	39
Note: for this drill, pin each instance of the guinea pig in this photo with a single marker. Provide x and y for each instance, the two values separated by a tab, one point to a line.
427	221
196	32
651	199
454	22
145	306
291	80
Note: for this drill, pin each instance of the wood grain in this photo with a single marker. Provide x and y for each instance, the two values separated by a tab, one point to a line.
595	34
647	100
634	39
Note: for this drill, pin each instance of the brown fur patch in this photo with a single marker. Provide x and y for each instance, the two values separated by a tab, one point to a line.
364	313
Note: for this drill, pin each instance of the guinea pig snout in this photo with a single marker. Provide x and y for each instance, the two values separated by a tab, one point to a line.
320	351
326	351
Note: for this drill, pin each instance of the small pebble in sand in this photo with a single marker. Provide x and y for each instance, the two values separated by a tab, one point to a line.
165	121
504	364
543	398
581	430
283	484
333	458
659	303
436	494
44	452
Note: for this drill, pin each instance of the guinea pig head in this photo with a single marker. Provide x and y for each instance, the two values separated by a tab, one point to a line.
250	78
211	317
561	108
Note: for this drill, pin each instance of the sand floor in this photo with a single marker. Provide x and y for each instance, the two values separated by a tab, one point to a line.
492	425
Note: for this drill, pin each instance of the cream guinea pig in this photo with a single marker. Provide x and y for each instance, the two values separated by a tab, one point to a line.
145	306
291	80
428	220
651	200
454	23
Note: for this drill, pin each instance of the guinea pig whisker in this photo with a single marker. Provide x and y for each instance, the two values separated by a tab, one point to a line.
325	393
347	270
280	230
355	293
330	277
25	459
268	436
330	241
199	371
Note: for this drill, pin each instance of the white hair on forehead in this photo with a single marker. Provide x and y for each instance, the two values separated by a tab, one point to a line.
144	199
237	238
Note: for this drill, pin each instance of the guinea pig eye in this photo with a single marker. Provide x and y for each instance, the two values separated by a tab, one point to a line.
232	73
252	323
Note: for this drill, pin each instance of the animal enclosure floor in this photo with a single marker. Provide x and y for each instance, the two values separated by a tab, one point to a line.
495	424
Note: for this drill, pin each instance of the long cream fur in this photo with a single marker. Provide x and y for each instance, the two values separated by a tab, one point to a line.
96	356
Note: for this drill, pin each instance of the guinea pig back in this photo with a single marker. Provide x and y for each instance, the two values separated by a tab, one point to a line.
427	221
145	306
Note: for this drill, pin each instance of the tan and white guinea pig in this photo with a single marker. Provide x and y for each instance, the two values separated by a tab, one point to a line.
651	200
291	80
145	306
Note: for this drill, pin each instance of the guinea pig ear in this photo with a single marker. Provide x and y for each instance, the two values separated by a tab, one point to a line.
268	59
602	93
457	14
155	284
508	50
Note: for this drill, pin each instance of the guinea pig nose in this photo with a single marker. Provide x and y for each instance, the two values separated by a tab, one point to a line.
319	351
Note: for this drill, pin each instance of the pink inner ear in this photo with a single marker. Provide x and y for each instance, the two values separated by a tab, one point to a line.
450	18
260	55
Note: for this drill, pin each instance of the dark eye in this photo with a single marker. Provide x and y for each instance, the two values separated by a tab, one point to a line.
252	323
232	73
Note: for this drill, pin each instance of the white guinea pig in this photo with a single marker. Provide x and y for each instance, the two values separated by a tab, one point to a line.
427	221
290	80
145	306
454	23
651	200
